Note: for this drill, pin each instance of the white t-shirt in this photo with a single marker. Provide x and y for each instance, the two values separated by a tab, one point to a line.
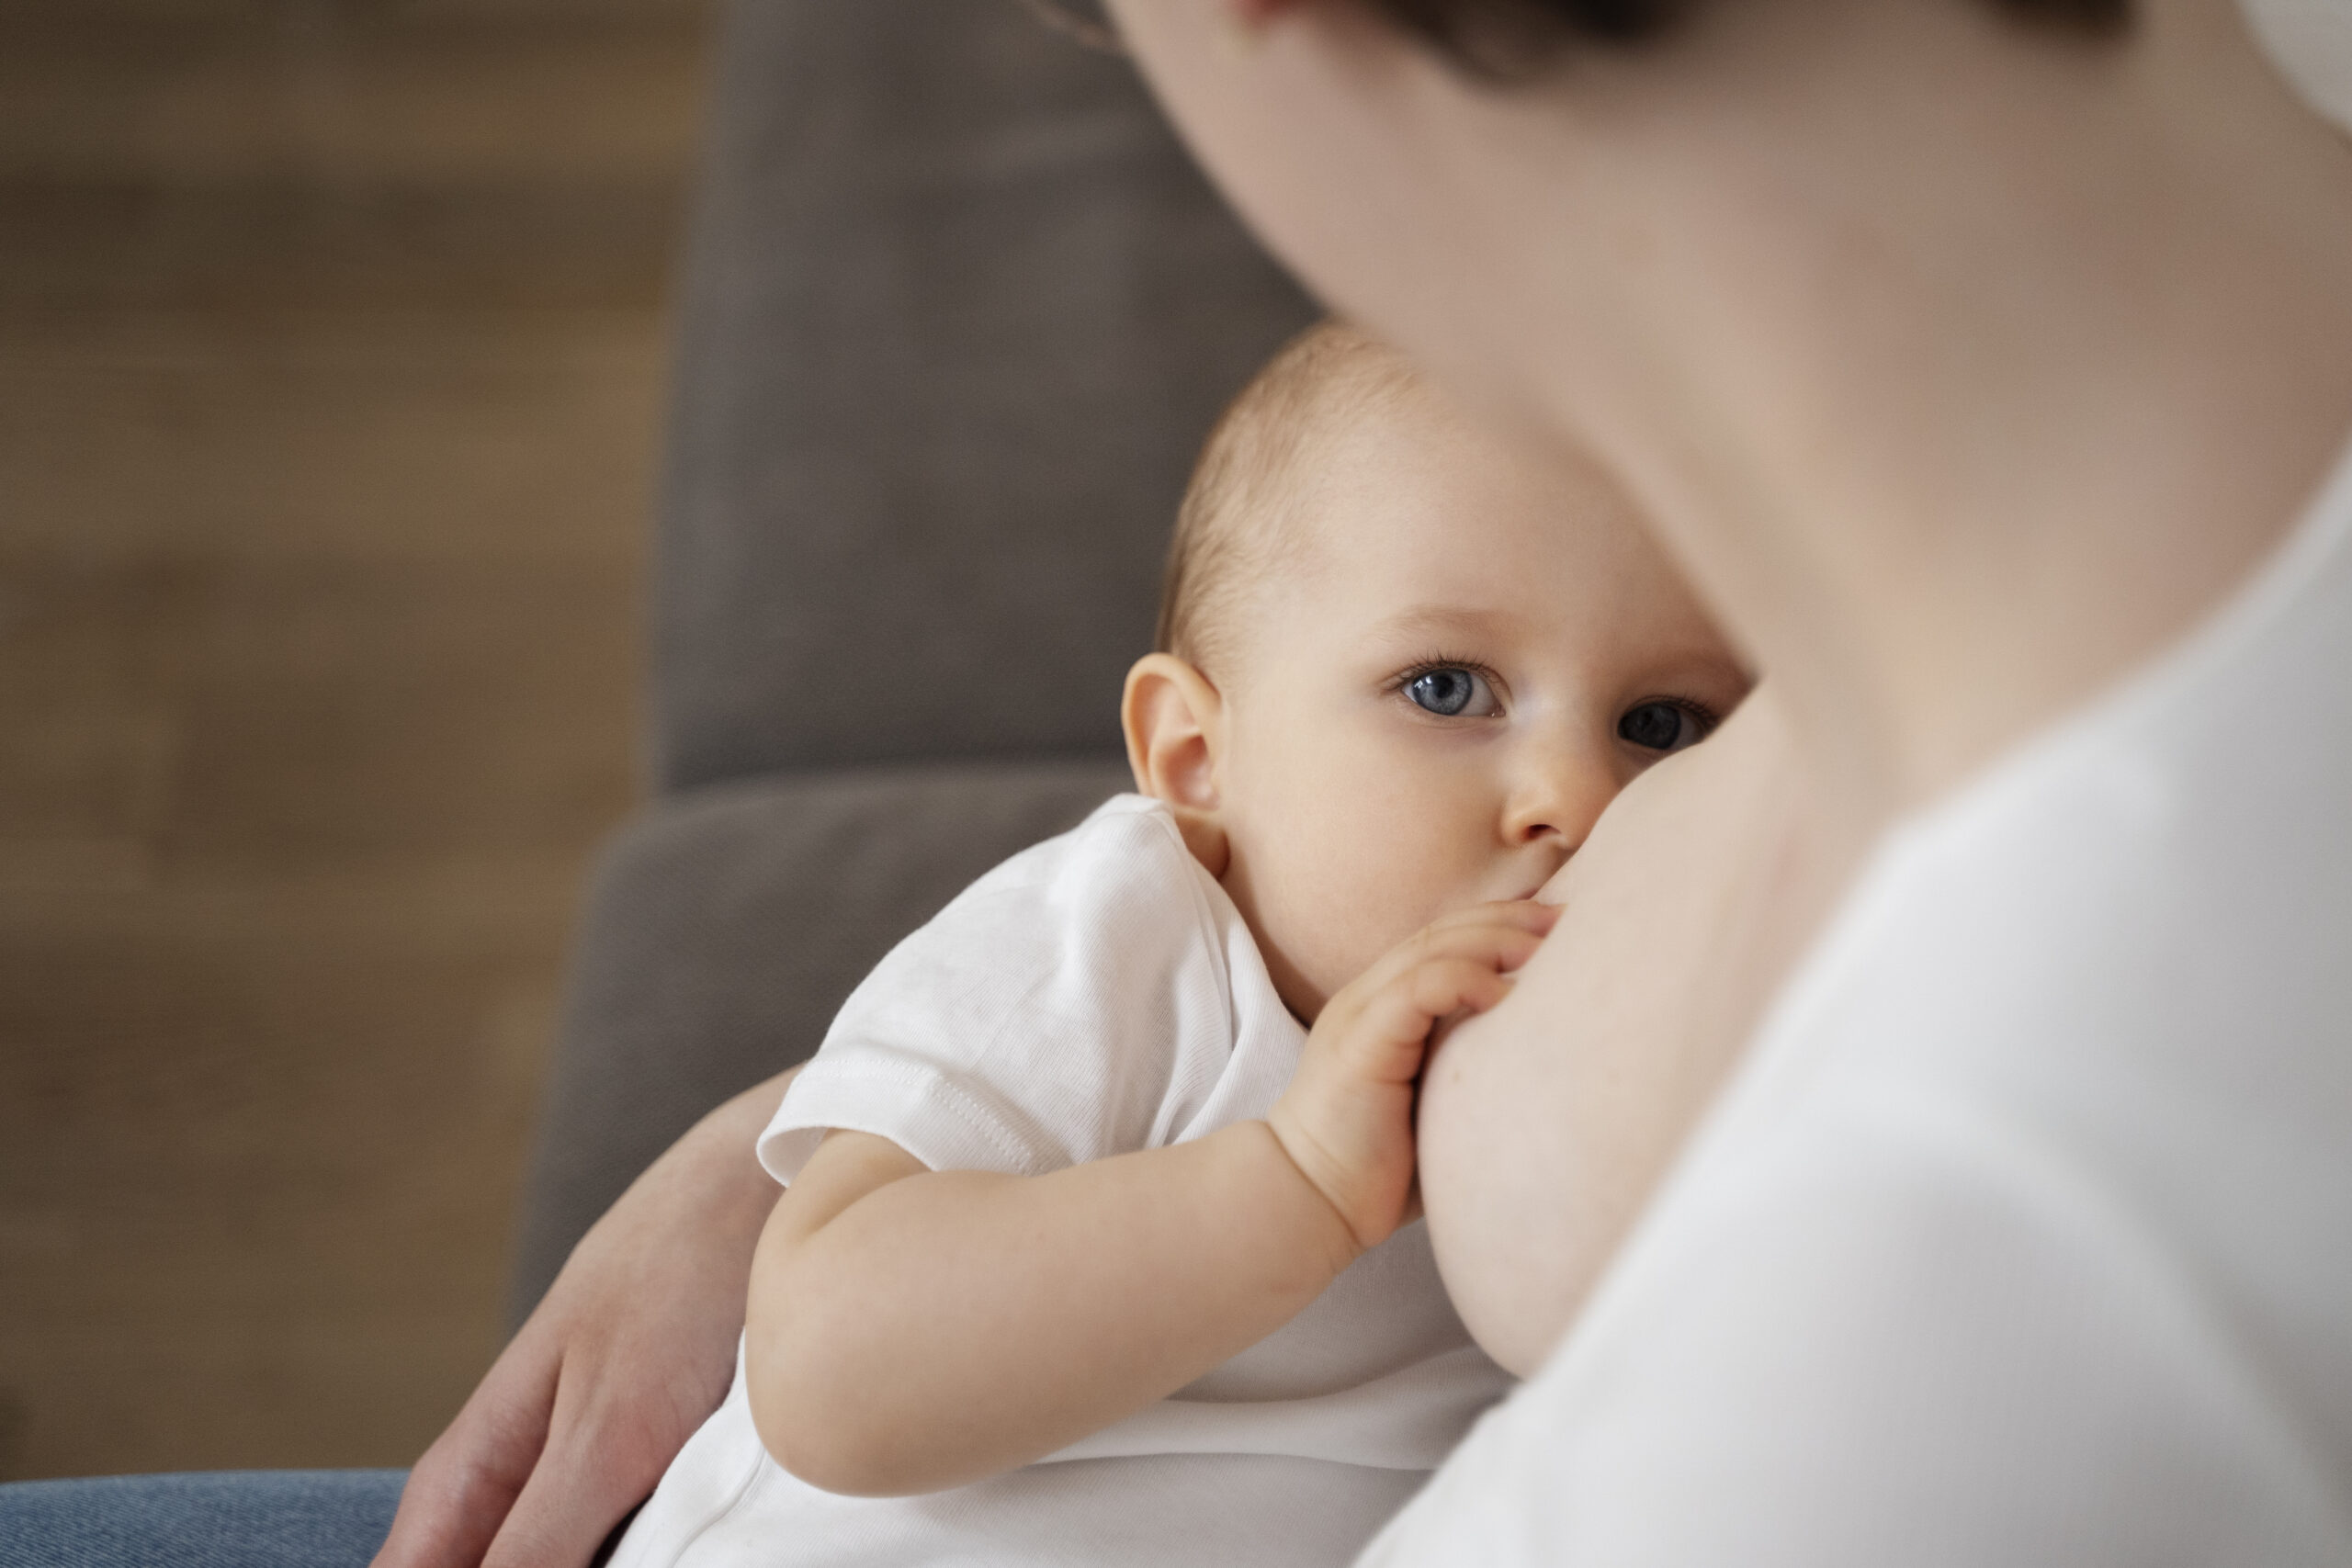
1096	995
2024	1236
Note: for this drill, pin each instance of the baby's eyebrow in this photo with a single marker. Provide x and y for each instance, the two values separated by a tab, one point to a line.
1441	620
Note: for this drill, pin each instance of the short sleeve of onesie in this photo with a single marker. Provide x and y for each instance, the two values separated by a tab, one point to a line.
1078	1001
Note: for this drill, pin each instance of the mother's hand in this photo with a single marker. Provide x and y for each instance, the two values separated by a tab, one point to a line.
1546	1123
632	1348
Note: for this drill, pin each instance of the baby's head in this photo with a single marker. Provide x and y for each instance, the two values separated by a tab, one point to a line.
1402	666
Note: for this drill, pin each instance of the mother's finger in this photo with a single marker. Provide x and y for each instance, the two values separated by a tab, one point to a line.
460	1491
599	1462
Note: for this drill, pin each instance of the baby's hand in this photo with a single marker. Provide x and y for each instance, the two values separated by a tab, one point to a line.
1347	1118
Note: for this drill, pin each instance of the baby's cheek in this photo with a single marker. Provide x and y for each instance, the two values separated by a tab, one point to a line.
1359	871
1375	906
1339	915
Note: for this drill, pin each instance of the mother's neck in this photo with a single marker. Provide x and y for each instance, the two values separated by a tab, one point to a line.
1961	404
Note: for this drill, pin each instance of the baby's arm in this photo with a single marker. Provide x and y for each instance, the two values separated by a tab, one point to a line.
911	1330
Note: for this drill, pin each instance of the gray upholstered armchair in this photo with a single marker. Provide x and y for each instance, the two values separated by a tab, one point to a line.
957	311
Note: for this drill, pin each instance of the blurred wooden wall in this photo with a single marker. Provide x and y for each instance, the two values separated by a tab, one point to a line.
331	369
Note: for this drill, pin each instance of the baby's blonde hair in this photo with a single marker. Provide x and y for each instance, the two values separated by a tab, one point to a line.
1233	531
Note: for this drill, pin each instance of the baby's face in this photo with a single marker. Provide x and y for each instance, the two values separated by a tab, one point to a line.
1472	658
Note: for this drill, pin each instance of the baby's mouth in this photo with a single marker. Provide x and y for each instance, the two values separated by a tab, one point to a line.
1537	895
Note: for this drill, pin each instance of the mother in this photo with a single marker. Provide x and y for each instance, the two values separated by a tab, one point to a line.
1980	361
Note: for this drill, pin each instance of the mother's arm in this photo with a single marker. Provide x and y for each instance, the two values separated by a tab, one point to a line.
632	1348
1546	1123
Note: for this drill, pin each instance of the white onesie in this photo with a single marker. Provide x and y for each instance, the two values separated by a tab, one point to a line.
1093	995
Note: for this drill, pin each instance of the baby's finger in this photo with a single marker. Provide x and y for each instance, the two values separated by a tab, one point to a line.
1522	913
1505	935
1399	1015
1505	947
1470	930
1453	985
1385	1041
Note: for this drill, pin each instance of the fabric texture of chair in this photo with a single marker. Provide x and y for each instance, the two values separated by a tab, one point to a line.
958	312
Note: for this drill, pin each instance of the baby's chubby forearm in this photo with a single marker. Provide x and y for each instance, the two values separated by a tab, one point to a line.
912	1330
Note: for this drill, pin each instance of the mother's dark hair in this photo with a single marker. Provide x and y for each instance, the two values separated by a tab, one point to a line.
1513	38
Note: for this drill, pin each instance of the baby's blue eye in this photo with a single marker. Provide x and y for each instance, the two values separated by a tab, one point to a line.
1662	727
1452	694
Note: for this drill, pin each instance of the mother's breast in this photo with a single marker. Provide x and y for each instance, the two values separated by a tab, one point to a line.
1546	1123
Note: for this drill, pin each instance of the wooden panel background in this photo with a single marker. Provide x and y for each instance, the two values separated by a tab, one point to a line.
332	351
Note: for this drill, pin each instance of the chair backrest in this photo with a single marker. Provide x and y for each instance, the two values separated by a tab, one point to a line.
958	313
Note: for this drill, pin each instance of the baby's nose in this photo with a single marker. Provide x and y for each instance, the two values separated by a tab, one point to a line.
1563	791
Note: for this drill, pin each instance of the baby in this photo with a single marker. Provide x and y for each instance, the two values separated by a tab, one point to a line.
1097	1245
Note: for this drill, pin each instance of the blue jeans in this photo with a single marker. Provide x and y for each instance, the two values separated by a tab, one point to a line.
258	1518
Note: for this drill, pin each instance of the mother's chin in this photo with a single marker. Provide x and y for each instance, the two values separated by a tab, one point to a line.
1547	1124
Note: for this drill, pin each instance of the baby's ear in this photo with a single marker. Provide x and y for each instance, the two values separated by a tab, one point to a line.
1174	721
